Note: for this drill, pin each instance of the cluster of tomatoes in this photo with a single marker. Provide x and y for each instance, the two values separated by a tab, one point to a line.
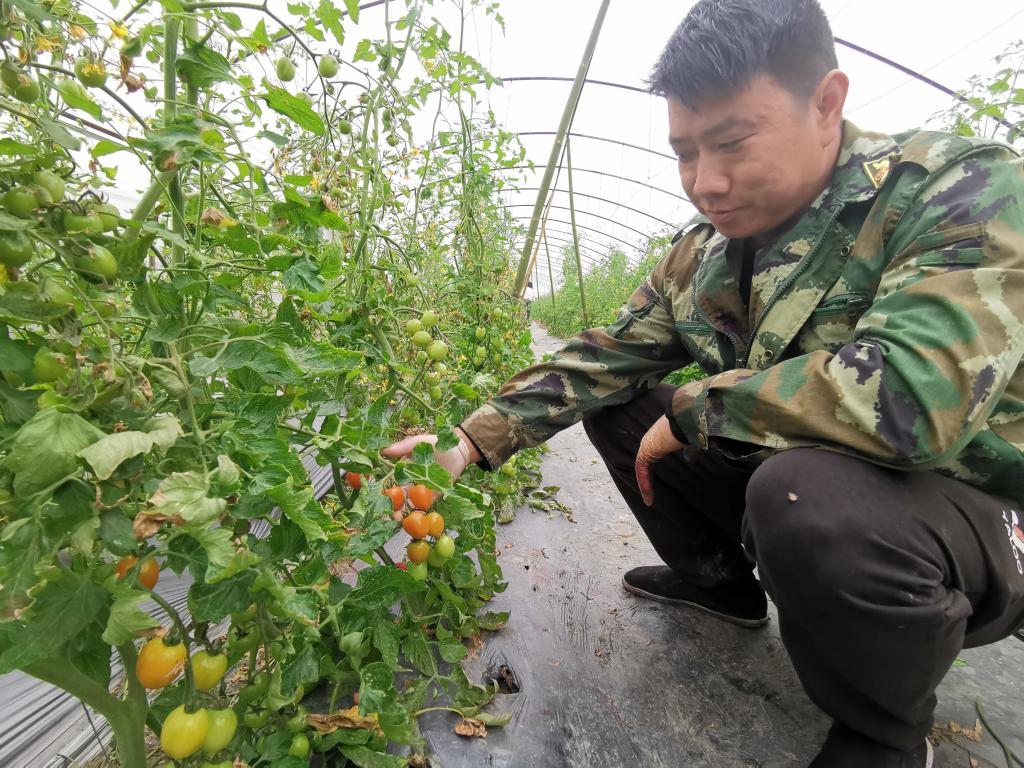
430	545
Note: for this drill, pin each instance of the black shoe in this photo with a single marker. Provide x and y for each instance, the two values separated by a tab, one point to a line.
741	602
845	748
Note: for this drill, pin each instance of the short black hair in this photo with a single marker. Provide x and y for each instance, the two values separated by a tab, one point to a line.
723	44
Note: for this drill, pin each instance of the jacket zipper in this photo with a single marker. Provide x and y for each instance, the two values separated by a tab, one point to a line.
841	305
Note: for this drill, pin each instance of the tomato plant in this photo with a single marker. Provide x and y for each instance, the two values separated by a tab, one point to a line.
299	274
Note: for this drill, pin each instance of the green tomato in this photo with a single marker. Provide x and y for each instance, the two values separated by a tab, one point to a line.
48	366
434	559
98	262
435	394
508	468
445	546
327	66
429	319
10	74
43	197
413	327
419	571
71	90
441	369
421	357
496	358
183	732
256	717
421	339
90	73
299	746
56	291
296	722
432	378
344	127
285	69
28	91
16	248
499	313
223	724
52	183
480	352
82	223
241	641
437	350
20	202
410	416
208	669
109	215
480	332
392	140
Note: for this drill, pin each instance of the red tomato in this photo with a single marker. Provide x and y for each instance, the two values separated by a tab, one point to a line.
397	496
415	524
354	480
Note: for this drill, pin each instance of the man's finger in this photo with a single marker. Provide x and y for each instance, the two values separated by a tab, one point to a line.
404	447
643	480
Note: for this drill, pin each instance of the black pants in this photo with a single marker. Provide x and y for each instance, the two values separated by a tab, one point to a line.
880	577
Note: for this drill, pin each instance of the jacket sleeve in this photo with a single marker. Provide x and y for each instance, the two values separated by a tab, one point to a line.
598	368
930	358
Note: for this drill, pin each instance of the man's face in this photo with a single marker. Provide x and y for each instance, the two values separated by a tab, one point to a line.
751	160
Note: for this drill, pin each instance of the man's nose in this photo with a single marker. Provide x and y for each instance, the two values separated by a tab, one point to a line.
709	181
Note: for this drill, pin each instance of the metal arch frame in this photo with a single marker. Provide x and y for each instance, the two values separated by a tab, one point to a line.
594	197
683	198
595	215
592	245
587	81
589	229
572	134
594	256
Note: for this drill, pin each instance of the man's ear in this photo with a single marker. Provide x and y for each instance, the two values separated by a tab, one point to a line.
829	99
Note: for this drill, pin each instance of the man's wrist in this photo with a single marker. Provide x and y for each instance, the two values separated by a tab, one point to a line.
474	454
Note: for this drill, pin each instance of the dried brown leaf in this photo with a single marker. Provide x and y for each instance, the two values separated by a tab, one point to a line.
345	718
470	726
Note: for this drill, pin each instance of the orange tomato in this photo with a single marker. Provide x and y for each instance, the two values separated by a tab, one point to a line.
421	497
149	573
354	480
417	551
435	524
415	524
397	496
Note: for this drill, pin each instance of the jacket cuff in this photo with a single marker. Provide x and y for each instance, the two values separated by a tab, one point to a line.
686	414
490	432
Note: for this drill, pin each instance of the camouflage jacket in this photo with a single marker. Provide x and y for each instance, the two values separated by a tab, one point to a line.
886	322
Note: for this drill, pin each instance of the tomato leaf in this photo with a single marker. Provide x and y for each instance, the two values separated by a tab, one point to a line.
301	669
116	531
59	133
416	649
201	67
386	638
295	109
76	97
330	17
110	451
380	586
61	611
364	757
46	448
126	618
492	620
212	602
184	495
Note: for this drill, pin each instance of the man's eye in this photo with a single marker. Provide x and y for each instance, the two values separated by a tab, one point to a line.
729	146
686	157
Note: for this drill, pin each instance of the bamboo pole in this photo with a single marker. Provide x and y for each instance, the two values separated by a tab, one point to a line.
575	234
556	148
551	277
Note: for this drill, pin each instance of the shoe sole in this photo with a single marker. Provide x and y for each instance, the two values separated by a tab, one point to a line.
748	623
929	754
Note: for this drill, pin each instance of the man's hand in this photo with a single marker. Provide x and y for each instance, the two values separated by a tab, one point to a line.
658	443
454	461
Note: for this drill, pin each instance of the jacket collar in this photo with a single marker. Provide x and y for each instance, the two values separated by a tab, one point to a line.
864	162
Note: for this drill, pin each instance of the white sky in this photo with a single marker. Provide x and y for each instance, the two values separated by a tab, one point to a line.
547	38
